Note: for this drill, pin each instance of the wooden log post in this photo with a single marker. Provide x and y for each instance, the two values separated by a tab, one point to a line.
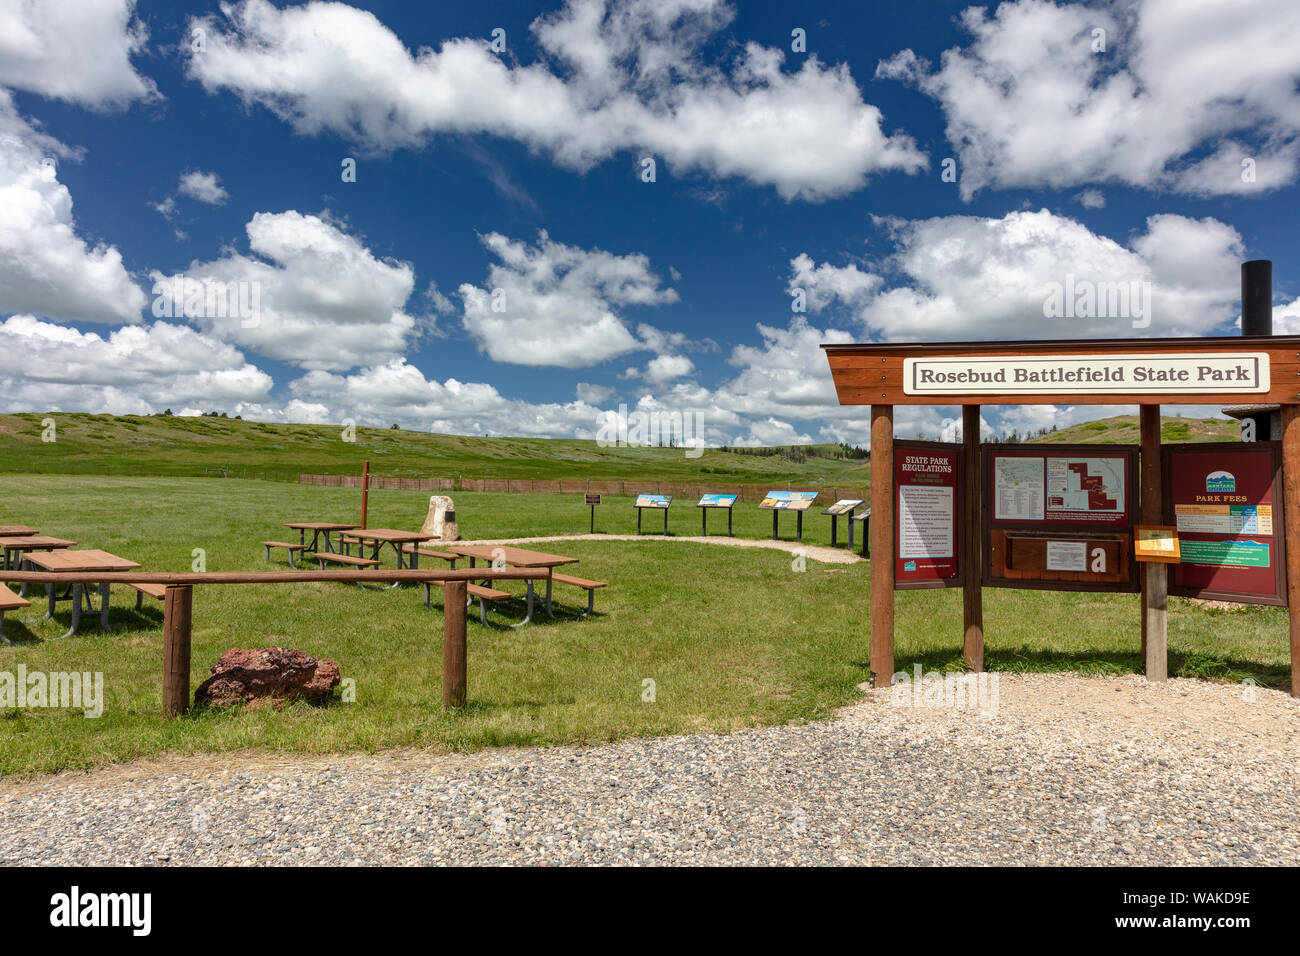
1155	581
1291	519
178	605
365	490
882	545
973	552
453	645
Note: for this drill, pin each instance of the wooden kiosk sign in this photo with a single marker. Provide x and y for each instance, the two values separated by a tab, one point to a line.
1210	518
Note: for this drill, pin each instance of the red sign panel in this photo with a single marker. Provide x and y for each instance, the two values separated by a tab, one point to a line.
1225	500
927	540
1060	485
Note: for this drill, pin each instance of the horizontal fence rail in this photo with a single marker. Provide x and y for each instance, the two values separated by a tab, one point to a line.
752	493
178	605
271	577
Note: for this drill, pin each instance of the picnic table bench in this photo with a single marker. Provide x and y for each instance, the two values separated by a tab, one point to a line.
484	594
418	552
524	558
288	546
14	530
333	557
9	602
589	586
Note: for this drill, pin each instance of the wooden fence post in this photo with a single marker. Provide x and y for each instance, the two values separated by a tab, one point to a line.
453	645
178	606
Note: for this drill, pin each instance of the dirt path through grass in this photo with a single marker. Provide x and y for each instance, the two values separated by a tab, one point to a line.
814	551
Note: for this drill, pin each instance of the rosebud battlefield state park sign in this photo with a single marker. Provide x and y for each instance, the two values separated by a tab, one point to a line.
1243	372
1139	371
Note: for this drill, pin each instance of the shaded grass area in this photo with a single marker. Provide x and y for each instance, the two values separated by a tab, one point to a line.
729	637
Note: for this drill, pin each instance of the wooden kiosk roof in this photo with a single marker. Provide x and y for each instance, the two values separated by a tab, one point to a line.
873	373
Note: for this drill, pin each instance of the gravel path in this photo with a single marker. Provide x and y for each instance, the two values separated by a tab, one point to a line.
1069	770
816	552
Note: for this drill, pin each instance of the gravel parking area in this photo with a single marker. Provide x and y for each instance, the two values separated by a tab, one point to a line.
1068	770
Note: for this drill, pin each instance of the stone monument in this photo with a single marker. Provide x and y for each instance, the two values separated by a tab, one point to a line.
440	522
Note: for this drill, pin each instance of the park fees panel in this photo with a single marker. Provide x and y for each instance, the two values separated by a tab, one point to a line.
927	529
1060	516
1225	499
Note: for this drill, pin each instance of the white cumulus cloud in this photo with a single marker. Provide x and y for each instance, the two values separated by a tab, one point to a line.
205	187
1161	94
554	304
971	277
137	369
45	266
627	75
74	50
323	300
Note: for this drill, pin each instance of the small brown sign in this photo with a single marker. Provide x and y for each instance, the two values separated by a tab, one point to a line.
593	499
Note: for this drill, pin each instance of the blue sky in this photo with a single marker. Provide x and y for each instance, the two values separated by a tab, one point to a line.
500	266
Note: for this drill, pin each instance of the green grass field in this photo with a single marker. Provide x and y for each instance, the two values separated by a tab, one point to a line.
176	446
731	637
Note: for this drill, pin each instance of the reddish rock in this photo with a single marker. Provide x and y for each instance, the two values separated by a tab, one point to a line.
264	675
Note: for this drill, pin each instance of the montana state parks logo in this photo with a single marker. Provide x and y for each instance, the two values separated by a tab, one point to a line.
1220	481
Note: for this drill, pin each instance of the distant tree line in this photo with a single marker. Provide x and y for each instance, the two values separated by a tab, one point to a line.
802	453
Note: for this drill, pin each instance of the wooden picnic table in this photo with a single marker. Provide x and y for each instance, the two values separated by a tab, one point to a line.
15	530
17	545
317	528
88	561
518	557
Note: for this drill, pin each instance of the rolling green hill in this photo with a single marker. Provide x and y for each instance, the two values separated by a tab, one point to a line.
172	445
1123	430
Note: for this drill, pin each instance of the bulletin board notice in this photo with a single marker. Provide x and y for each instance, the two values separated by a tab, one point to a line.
1082	486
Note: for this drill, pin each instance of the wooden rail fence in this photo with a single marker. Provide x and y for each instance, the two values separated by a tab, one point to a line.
178	606
578	486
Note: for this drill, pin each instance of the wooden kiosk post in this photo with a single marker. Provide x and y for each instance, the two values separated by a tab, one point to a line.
1067	518
1291	512
1155	578
972	590
882	545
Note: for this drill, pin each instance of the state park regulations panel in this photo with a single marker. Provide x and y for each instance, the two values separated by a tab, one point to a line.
927	530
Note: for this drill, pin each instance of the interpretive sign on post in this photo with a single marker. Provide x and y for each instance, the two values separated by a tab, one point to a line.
708	502
796	501
1225	500
656	502
926	535
845	506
